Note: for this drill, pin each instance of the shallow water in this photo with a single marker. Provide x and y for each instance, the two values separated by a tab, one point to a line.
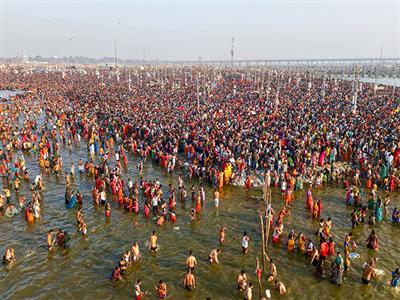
385	81
382	80
7	93
83	270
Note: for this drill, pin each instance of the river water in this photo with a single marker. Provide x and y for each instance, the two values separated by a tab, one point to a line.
385	81
382	80
83	270
7	93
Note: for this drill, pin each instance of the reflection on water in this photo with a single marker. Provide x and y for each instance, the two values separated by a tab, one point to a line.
83	270
8	93
383	81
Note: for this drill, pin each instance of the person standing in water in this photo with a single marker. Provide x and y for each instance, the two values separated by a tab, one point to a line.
281	287
135	252
213	256
9	256
245	242
242	281
161	289
189	282
50	240
222	234
368	273
153	247
272	270
138	291
395	278
191	261
107	210
372	241
216	198
249	292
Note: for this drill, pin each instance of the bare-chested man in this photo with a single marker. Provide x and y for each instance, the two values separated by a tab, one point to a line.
161	289
9	256
135	252
222	234
213	256
368	273
67	180
216	198
242	281
281	287
50	240
189	282
191	261
272	270
153	247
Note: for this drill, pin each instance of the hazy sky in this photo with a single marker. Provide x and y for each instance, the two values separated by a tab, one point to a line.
187	30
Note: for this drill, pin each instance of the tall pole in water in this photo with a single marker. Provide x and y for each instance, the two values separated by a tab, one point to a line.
129	80
115	53
323	85
376	74
197	92
232	51
355	88
395	79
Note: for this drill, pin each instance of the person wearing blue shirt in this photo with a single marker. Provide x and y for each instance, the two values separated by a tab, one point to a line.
395	278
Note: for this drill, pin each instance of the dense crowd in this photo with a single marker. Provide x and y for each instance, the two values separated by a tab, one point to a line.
283	121
248	127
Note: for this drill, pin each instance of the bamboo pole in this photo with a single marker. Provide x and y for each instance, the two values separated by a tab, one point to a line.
263	194
265	190
268	225
262	241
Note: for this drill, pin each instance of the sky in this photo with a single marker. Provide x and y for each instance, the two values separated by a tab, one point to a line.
187	30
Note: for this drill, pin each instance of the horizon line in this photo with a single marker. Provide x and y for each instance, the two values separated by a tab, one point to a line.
205	60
